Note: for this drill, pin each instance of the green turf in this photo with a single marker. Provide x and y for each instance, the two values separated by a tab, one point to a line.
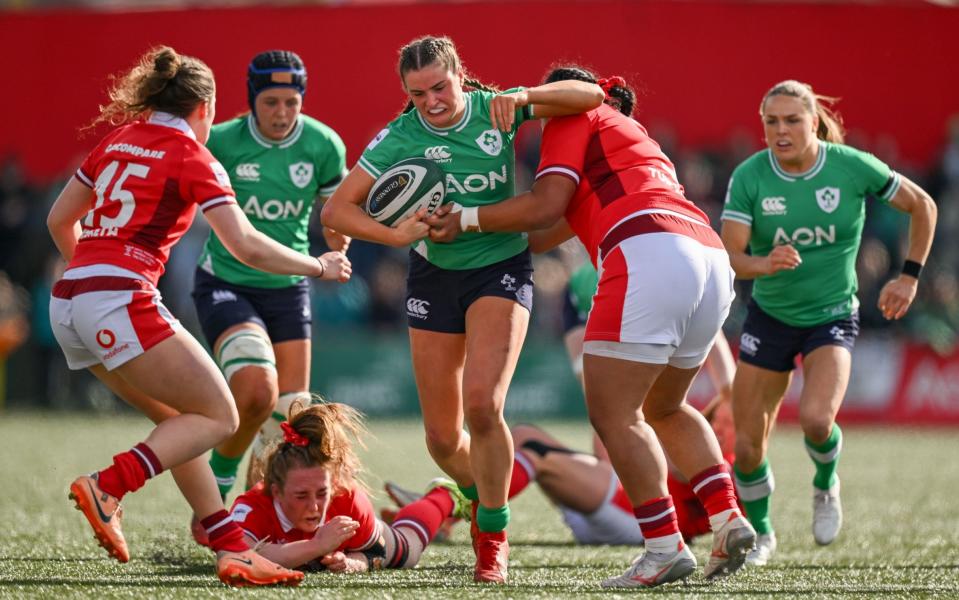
901	538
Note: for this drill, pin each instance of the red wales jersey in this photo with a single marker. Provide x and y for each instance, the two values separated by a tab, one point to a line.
618	170
148	178
263	519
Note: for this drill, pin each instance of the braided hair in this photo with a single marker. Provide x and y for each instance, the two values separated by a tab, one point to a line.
428	50
618	94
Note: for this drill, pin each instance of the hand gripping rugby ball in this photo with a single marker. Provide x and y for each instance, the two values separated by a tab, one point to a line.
405	188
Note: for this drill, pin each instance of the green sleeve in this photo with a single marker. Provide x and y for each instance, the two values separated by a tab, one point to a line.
523	113
381	153
332	164
740	197
875	176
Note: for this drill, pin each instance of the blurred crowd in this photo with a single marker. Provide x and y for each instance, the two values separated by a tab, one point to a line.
374	298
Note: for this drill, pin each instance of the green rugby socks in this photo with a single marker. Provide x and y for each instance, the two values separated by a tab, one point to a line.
224	470
826	458
755	489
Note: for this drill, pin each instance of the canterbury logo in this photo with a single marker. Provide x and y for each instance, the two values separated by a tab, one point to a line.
417	308
438	153
223	296
749	343
248	172
774	205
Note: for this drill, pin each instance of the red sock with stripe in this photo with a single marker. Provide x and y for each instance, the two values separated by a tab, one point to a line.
714	488
425	516
523	473
657	521
129	471
224	533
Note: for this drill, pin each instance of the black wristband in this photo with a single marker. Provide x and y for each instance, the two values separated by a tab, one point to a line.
911	268
322	267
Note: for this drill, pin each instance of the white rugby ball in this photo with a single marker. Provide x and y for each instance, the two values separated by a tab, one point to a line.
405	188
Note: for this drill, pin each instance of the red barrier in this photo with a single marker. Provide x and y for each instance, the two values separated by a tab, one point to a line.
701	66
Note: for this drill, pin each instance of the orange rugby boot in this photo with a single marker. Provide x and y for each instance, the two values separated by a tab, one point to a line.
492	553
103	512
247	568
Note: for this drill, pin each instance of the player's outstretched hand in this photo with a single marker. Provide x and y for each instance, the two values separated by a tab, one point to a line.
334	532
502	109
336	240
782	258
896	297
411	229
337	267
338	562
444	223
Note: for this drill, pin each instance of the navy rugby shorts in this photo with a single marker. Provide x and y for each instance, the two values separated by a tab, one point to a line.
283	312
769	343
437	299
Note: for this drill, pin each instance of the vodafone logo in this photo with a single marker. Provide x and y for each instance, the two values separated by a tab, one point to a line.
106	338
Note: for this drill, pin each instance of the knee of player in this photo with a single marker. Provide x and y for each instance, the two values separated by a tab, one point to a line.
483	417
816	427
749	452
257	394
443	443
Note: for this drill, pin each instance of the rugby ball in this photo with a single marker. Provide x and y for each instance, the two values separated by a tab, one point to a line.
405	188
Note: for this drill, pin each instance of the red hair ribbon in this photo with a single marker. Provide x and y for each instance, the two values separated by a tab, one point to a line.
291	436
608	83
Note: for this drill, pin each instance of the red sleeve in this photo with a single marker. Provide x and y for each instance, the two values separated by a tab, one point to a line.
563	149
361	510
203	179
87	173
253	515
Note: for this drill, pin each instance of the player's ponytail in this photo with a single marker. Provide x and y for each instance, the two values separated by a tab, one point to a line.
161	81
318	435
618	94
830	122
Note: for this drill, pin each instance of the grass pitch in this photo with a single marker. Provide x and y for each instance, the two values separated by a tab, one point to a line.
900	538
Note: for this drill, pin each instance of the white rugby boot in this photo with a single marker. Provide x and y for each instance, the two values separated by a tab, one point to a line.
734	540
764	550
826	514
651	569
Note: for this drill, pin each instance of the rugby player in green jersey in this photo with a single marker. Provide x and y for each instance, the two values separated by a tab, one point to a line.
799	206
467	302
258	324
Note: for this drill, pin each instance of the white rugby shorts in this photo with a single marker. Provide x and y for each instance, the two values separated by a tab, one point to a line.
663	293
107	319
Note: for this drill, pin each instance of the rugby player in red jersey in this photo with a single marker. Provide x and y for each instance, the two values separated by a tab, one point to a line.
311	511
131	200
665	289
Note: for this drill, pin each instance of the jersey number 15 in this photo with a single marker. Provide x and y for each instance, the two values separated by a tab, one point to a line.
117	194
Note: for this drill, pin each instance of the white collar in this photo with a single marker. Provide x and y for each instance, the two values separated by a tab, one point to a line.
285	522
168	120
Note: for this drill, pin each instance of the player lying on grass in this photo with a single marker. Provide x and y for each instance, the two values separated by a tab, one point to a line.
586	490
311	510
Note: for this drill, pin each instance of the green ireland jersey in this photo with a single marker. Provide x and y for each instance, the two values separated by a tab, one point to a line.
821	213
582	287
276	185
478	162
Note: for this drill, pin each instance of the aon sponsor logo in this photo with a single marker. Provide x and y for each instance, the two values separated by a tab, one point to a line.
476	182
273	210
804	236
